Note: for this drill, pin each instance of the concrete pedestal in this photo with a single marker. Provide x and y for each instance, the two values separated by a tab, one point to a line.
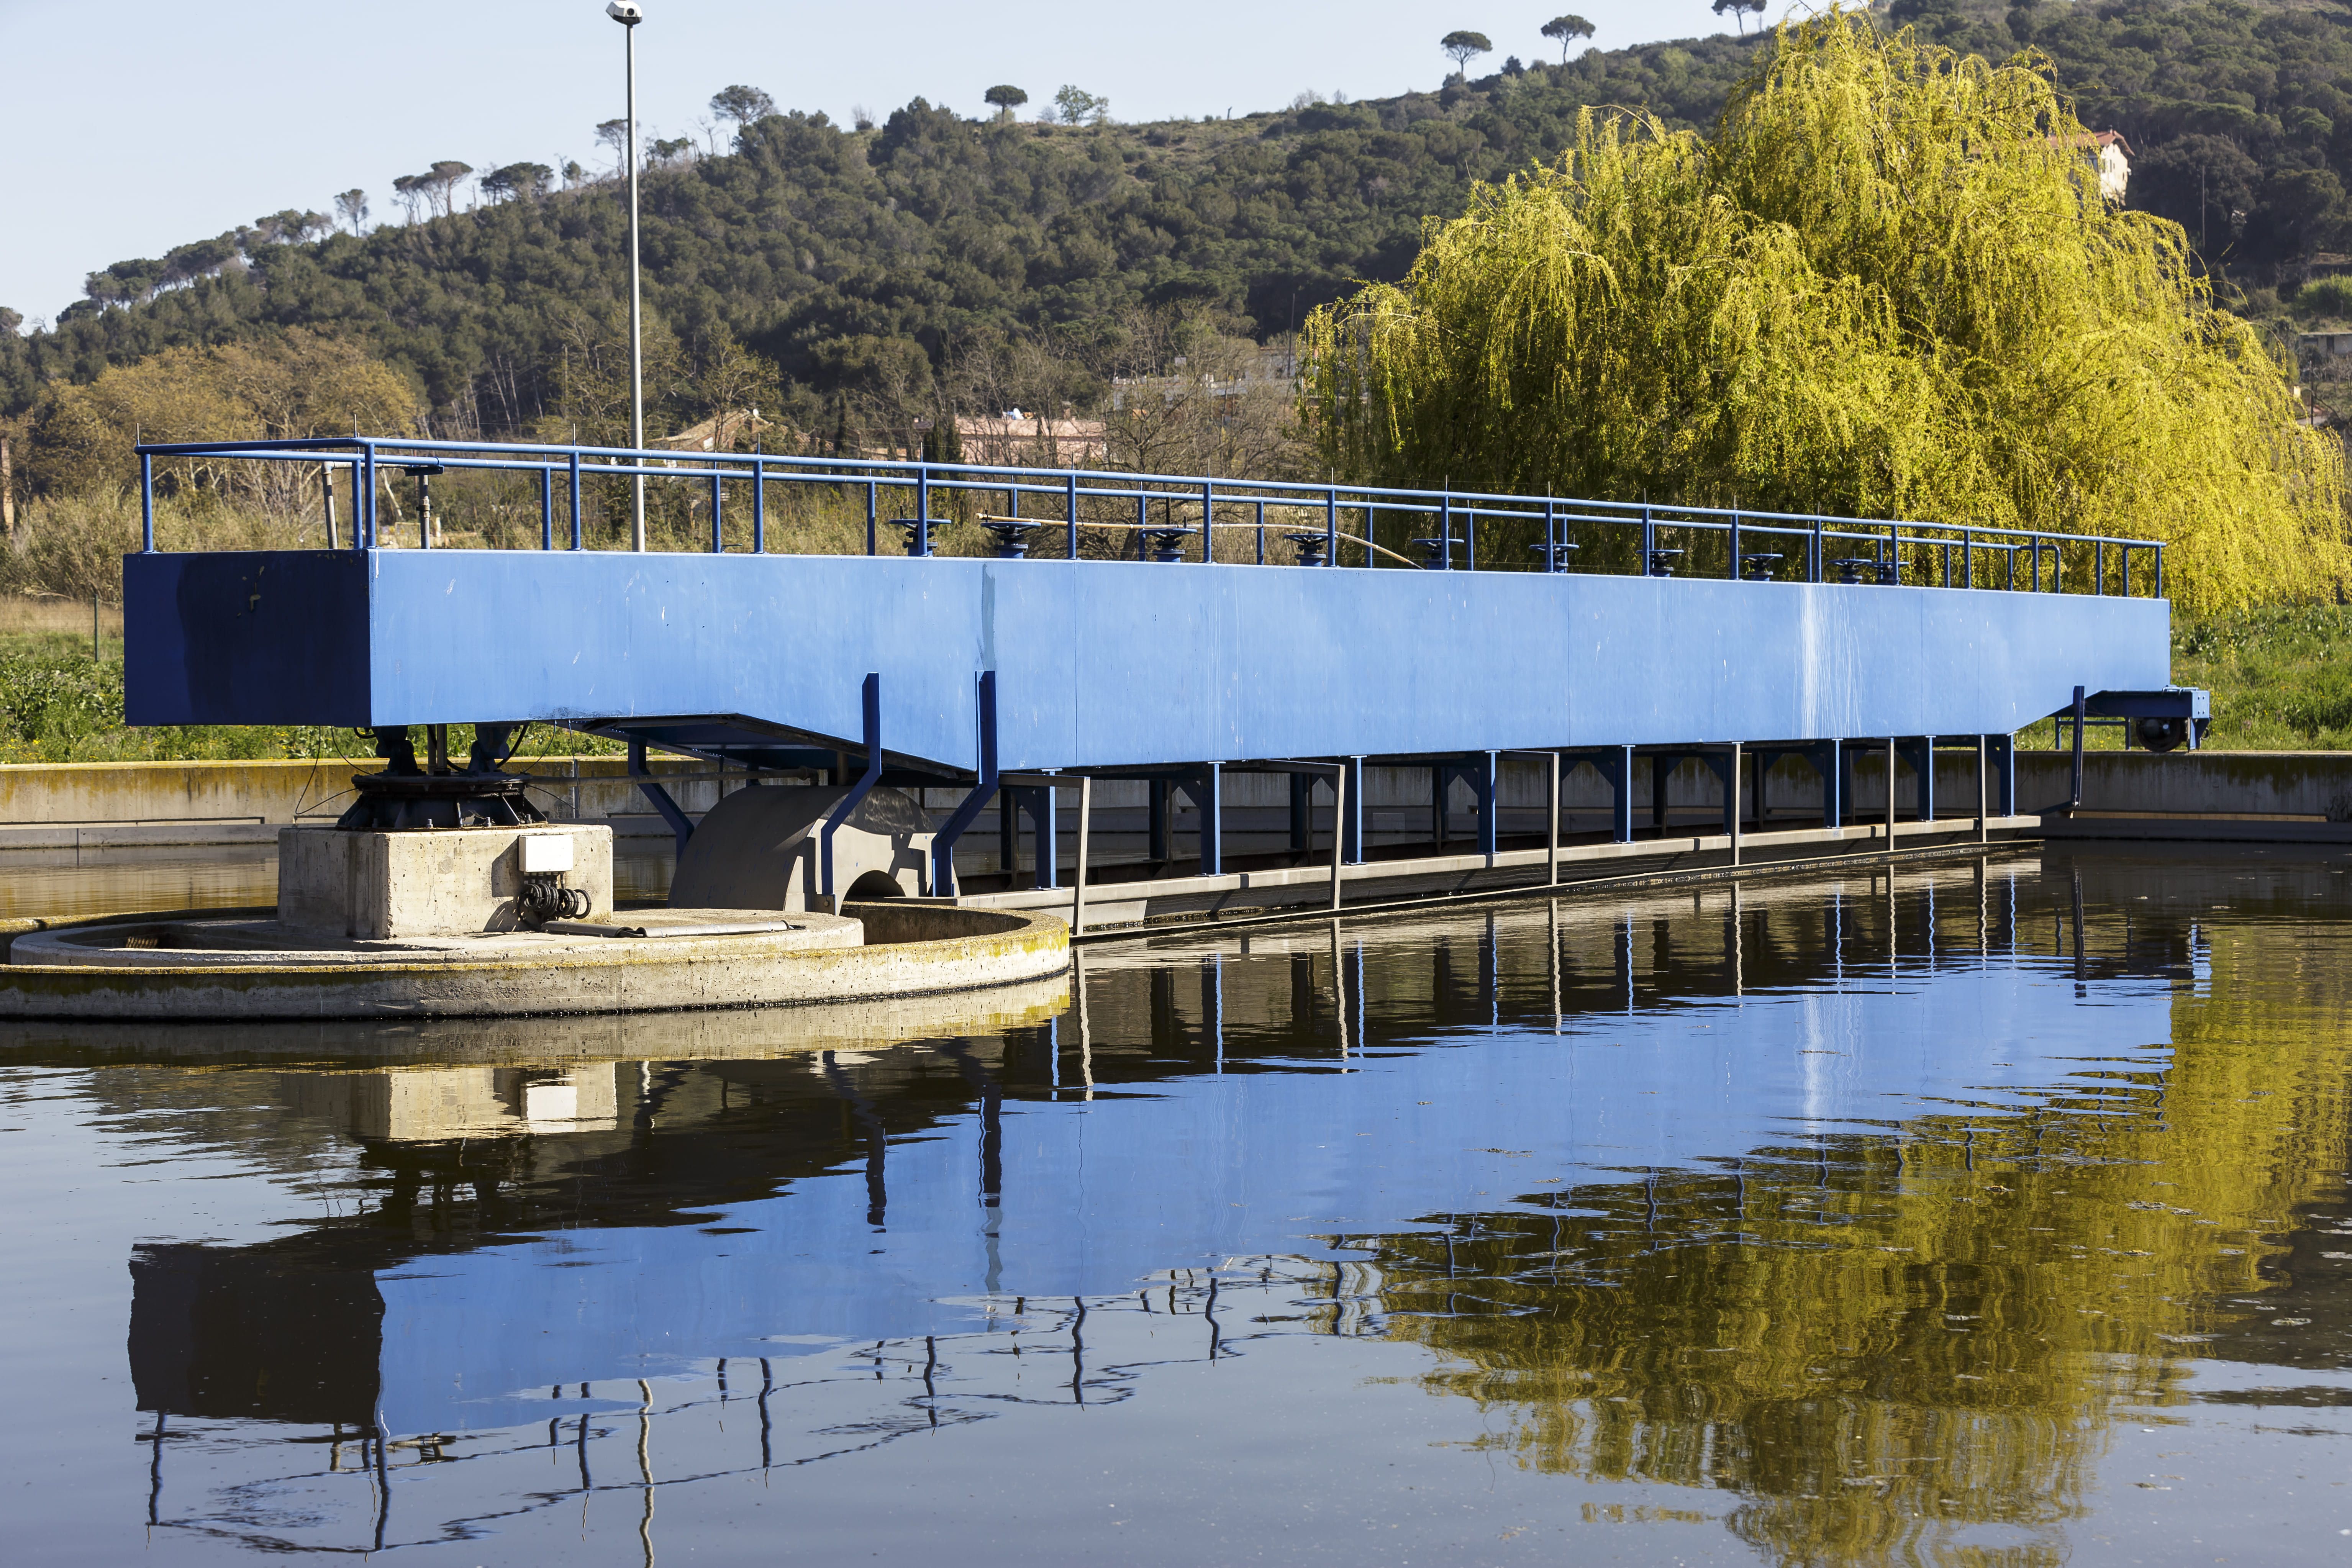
431	881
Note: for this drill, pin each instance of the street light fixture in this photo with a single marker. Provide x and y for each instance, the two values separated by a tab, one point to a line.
629	13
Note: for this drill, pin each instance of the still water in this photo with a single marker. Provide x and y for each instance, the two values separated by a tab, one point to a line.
1979	1215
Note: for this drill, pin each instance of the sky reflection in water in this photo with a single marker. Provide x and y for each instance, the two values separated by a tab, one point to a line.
1987	1217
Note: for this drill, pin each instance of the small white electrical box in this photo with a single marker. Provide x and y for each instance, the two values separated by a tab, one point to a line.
546	852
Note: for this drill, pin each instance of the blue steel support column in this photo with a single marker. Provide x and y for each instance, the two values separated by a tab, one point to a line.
1920	753
1352	851
872	705
576	536
943	882
1620	773
1331	527
718	497
1489	771
873	506
658	797
547	509
1072	481
365	540
2074	795
1046	822
147	504
1208	524
1725	766
759	508
1207	789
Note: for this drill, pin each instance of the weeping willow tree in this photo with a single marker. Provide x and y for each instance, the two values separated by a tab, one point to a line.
1887	288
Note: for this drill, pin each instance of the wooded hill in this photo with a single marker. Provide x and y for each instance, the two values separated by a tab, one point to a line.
856	257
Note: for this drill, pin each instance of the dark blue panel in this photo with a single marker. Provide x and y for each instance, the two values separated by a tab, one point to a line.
266	638
1127	663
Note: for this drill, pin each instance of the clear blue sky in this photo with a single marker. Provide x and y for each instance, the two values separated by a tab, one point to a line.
140	125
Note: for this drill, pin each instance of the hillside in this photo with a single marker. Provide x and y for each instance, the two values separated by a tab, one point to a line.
839	252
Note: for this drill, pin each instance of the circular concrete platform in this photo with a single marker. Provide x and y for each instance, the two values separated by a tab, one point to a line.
192	967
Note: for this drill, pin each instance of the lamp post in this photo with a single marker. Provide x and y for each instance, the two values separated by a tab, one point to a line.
629	13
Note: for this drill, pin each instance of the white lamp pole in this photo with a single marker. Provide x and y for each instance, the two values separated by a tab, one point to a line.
629	14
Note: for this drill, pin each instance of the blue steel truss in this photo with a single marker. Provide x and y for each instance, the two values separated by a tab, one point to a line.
1011	671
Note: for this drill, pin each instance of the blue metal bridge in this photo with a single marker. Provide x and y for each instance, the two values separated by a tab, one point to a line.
1133	626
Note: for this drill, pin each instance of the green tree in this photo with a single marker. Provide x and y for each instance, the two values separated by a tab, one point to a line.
1005	98
518	182
742	104
1461	48
1079	107
1567	30
1887	289
1739	10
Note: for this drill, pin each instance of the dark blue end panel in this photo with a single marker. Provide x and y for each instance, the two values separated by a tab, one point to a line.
276	637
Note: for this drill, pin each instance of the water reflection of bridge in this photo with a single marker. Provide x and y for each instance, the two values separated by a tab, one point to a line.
1875	1228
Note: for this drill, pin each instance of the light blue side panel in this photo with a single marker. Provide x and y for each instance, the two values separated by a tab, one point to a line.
1108	663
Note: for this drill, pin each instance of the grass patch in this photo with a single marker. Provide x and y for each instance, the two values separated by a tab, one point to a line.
2281	680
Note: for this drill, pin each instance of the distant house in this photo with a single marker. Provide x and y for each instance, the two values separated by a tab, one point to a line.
2322	347
1018	438
1266	365
2109	153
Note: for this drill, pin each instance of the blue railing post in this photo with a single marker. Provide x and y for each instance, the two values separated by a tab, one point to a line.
923	509
759	507
1734	570
2159	570
368	451
873	503
547	509
1072	496
1968	558
146	504
1208	524
1445	532
1649	541
1814	549
1470	539
1261	534
718	490
579	535
1331	528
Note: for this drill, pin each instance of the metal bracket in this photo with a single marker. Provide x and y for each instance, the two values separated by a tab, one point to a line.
677	820
858	792
943	843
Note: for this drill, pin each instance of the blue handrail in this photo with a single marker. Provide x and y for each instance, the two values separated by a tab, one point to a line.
1808	534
